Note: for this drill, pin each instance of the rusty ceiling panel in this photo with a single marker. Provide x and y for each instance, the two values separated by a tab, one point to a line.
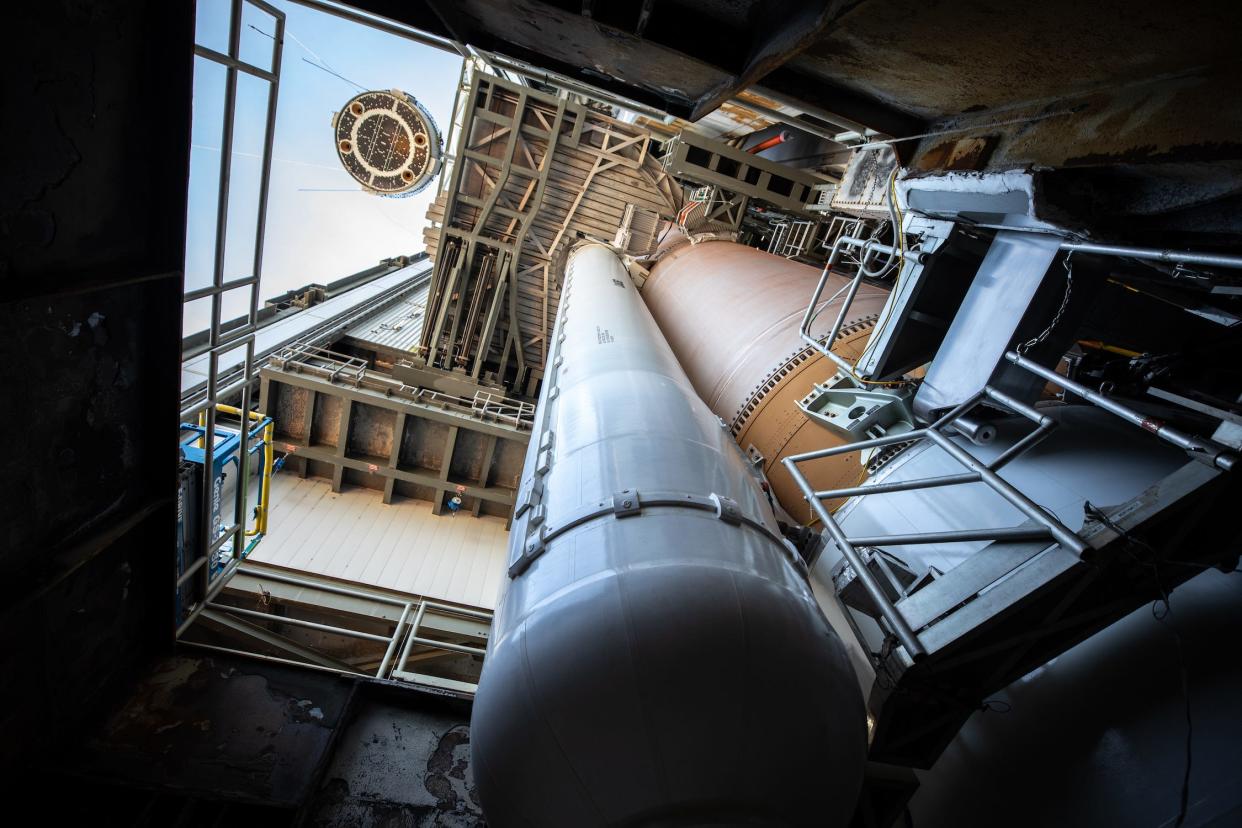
938	59
686	57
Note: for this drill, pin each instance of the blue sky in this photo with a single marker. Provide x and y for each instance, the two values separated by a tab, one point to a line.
320	224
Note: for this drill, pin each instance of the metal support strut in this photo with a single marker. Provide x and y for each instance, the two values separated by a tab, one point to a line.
1046	526
1199	448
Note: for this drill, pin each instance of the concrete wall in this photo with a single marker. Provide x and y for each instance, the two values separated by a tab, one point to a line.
94	158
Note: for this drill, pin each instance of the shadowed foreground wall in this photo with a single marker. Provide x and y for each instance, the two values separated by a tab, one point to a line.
92	212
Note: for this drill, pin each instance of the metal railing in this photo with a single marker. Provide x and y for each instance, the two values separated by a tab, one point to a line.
398	646
848	226
489	406
1042	524
790	239
332	365
335	367
1200	448
824	345
1045	524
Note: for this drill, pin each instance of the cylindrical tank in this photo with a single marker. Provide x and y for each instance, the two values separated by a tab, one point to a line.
657	656
731	315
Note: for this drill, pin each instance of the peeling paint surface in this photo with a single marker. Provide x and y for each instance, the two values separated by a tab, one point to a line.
401	767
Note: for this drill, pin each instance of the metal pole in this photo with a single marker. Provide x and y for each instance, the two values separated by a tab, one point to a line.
446	608
335	590
385	25
446	645
298	622
392	644
957	536
890	612
409	642
274	659
1028	442
1155	255
804	330
1021	502
846	448
1208	451
901	486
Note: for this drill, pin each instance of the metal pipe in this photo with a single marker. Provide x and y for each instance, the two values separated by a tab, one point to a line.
190	570
886	440
775	141
243	459
976	431
213	589
465	613
386	25
1017	406
888	610
901	486
1028	442
804	330
335	590
1155	254
1008	533
298	622
392	643
961	408
409	642
275	659
1062	533
448	645
1200	448
269	459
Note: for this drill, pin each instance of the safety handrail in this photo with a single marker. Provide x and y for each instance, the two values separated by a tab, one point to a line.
1046	525
824	346
1209	451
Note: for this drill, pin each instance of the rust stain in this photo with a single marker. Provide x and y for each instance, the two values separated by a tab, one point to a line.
969	153
757	100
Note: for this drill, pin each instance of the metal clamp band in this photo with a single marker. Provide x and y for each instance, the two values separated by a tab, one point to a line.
627	503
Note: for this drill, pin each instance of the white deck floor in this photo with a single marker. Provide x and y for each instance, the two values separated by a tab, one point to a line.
354	536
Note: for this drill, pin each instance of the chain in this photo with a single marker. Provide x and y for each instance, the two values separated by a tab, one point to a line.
1056	318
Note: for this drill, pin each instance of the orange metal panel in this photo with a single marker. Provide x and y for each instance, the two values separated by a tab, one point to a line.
731	315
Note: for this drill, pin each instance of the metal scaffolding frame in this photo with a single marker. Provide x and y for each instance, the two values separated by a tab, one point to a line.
243	336
1036	588
529	171
412	614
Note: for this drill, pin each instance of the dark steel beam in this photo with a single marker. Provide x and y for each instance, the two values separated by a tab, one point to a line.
789	83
